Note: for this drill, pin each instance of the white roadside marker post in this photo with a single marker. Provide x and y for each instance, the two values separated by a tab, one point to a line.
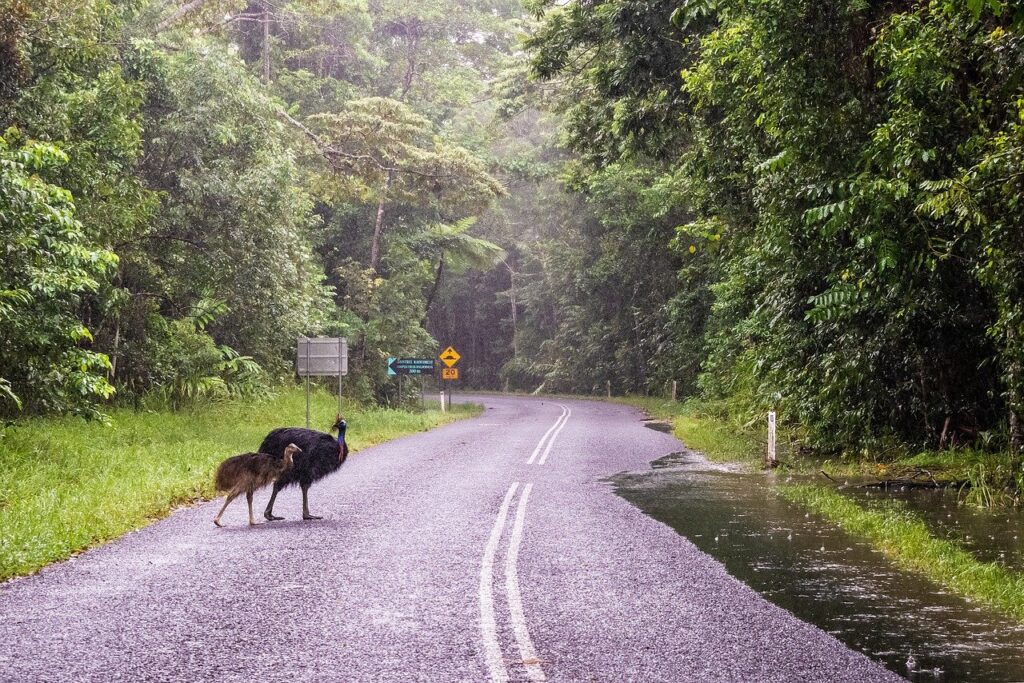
772	462
342	366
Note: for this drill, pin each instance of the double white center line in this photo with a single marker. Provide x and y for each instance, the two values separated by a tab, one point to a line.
488	621
545	442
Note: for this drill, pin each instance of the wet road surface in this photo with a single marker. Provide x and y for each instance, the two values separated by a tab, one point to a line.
489	549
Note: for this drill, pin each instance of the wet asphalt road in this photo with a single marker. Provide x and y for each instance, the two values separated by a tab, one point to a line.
443	556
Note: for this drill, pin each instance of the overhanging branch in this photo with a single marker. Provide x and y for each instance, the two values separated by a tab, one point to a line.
334	155
180	13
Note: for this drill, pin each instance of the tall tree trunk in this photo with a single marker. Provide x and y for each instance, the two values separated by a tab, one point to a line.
515	304
378	227
117	336
1013	398
1016	436
410	65
433	290
117	348
266	42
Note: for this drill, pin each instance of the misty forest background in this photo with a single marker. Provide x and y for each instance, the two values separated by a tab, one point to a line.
812	207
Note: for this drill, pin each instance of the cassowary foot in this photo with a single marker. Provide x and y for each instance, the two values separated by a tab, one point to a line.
308	516
270	517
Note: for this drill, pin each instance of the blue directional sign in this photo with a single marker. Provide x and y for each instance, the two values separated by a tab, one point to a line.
410	366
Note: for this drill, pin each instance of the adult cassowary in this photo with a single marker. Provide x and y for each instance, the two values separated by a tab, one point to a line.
321	454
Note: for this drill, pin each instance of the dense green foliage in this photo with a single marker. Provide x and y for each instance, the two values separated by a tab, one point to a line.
48	267
801	206
188	187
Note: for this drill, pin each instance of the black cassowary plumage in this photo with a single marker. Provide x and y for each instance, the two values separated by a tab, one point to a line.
321	455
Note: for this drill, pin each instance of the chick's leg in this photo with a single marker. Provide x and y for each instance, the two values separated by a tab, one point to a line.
227	499
248	499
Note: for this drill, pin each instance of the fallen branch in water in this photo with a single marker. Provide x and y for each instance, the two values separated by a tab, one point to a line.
903	483
915	481
911	481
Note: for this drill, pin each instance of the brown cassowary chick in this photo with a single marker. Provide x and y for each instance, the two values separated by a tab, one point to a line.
250	471
321	455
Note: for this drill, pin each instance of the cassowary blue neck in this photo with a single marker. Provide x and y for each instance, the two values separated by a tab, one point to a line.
341	435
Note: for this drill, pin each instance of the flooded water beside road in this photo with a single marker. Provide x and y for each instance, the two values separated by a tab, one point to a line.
825	576
990	535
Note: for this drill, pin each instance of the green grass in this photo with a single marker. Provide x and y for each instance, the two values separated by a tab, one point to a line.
905	540
702	427
67	484
718	439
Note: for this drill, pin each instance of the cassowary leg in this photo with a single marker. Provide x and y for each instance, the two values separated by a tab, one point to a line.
227	499
248	499
305	503
269	512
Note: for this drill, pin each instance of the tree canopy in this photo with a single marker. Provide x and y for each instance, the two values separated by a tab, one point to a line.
807	207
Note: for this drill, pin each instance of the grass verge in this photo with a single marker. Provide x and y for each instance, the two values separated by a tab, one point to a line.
67	485
906	541
718	439
703	428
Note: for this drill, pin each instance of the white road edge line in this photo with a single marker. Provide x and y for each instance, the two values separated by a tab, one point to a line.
515	599
488	623
544	438
551	442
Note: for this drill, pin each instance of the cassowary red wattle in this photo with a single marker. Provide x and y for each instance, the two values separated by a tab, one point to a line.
321	455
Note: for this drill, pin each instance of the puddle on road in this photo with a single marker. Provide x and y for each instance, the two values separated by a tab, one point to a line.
658	425
825	576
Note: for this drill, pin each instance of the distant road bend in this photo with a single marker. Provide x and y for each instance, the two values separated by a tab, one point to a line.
487	550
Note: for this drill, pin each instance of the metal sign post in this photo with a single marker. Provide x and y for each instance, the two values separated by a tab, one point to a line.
321	357
450	357
342	353
307	383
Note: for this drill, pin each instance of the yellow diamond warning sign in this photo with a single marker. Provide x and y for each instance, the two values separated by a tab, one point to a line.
450	356
449	373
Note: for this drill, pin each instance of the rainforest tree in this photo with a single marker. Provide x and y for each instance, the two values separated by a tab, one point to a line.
205	181
845	171
801	206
